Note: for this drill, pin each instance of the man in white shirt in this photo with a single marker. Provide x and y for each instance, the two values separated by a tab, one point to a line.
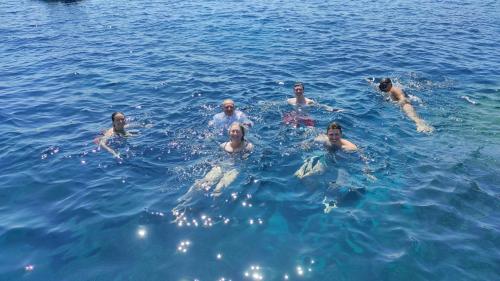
229	115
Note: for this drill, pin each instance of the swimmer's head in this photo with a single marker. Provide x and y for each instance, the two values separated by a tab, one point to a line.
228	107
334	132
298	88
118	119
385	85
237	132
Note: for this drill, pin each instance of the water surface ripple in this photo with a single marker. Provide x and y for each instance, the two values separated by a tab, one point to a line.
424	205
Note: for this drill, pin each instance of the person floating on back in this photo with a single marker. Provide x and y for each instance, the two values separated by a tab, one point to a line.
118	129
230	115
221	175
397	95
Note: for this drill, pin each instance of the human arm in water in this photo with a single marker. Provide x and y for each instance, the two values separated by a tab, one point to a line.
103	143
348	146
327	107
371	82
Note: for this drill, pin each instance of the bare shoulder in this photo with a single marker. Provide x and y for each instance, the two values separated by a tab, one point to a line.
223	145
310	101
109	133
348	146
292	101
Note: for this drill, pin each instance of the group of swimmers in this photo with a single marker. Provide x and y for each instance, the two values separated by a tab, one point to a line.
236	123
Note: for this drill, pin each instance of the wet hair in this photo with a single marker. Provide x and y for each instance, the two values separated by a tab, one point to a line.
114	114
298	83
334	126
242	128
384	83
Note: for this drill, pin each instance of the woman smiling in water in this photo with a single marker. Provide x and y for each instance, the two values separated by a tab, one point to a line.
118	129
237	141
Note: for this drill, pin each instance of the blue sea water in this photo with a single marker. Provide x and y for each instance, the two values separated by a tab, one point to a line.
412	206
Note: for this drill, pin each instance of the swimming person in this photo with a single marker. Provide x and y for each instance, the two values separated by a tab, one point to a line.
230	114
332	141
298	116
301	100
397	95
118	129
237	141
220	175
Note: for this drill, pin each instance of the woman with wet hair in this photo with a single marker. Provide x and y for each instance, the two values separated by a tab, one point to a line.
237	141
221	175
118	129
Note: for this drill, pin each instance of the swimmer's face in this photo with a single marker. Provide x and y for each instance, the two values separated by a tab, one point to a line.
235	132
228	108
334	135
119	121
298	90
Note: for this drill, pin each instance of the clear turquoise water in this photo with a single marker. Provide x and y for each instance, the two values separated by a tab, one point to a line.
74	213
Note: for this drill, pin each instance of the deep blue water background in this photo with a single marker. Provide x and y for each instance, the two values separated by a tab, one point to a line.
74	213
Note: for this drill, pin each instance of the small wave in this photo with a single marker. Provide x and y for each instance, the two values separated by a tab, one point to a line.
414	99
469	100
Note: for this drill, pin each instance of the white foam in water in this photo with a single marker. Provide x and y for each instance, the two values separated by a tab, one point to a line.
469	99
415	98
